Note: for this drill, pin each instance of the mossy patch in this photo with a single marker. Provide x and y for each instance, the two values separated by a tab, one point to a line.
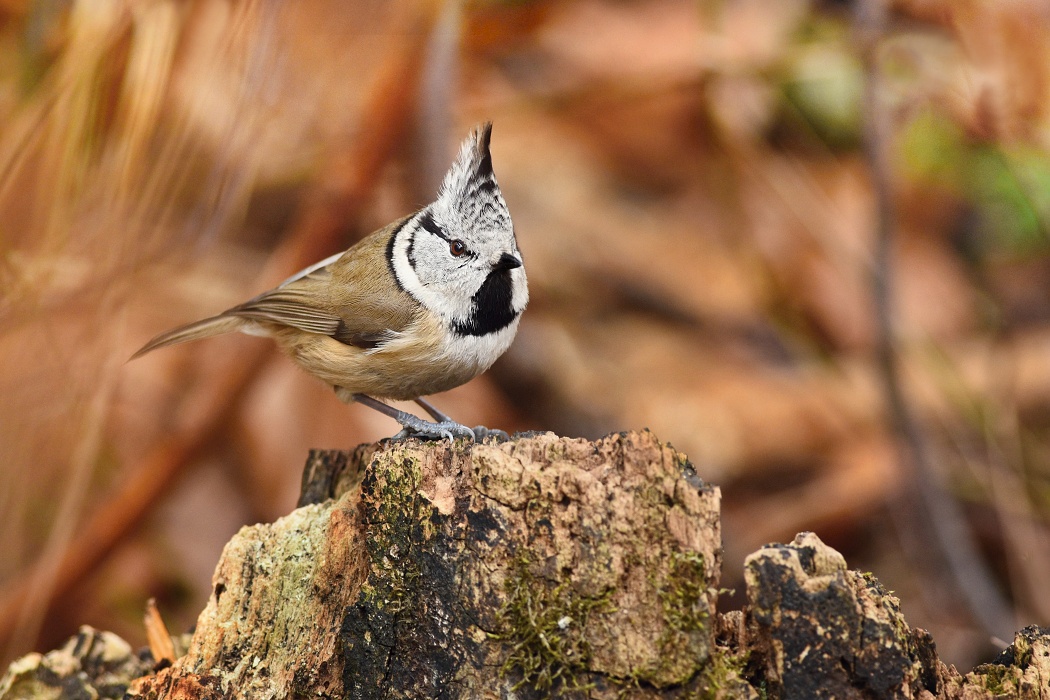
996	679
685	594
721	678
543	624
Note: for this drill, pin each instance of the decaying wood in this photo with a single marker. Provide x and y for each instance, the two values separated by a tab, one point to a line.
461	569
536	567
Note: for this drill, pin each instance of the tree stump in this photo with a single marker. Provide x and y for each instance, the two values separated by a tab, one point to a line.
538	567
456	570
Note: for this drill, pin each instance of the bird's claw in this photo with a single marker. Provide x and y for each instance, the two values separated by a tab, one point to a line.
481	433
426	430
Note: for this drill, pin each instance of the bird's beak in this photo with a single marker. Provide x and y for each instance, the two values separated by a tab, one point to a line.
506	262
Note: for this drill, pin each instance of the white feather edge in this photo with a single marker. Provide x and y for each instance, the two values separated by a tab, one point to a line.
313	268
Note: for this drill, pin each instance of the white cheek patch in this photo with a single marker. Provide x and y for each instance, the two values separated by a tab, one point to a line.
406	274
451	295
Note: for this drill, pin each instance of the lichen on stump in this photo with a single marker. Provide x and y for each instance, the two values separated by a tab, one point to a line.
1021	671
469	570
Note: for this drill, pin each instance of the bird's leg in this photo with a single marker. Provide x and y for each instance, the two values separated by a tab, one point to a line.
413	426
433	410
480	431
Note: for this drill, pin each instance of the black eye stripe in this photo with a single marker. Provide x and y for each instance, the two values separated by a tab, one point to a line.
431	226
427	223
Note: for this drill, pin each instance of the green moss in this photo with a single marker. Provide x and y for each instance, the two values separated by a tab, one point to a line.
997	679
684	595
722	675
1023	652
543	624
683	592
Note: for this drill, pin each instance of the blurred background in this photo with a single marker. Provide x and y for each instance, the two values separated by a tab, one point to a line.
805	242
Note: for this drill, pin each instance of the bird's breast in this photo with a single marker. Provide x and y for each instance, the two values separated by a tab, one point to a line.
425	358
478	352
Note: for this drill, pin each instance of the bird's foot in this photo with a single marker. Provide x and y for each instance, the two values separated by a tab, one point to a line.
442	427
413	427
481	433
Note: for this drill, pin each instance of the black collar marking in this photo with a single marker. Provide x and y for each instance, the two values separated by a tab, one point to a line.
492	306
390	254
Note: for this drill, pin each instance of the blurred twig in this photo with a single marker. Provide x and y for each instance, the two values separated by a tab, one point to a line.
346	186
161	645
1000	467
948	527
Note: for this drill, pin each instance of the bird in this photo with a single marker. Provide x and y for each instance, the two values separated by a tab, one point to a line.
418	307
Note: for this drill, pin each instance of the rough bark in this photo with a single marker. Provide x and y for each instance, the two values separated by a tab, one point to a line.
537	567
460	570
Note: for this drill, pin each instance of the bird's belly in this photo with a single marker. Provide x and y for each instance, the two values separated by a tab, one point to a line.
424	359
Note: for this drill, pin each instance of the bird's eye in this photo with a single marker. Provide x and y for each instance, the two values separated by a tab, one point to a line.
457	248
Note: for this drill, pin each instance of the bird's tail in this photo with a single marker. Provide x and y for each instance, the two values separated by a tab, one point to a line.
216	325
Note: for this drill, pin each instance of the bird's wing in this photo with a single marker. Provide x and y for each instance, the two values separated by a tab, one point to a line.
300	302
350	296
371	305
